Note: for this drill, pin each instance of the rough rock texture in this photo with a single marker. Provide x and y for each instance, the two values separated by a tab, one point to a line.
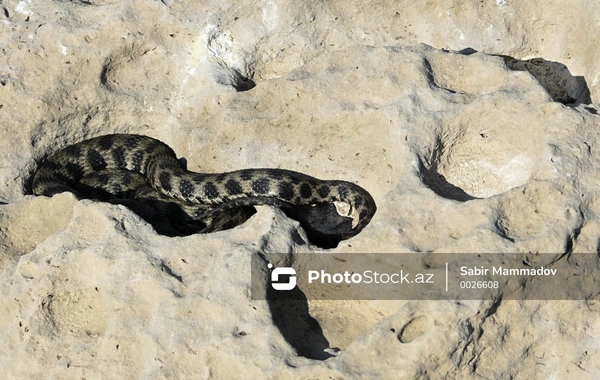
488	146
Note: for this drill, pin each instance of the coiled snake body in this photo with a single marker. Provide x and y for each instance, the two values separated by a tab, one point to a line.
141	168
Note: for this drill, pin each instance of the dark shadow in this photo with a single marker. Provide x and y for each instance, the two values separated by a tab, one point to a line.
467	51
438	183
229	76
503	232
554	77
289	310
167	225
103	75
241	83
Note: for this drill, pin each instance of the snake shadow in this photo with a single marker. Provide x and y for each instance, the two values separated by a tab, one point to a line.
290	313
288	308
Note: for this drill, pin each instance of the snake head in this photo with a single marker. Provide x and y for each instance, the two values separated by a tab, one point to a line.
326	224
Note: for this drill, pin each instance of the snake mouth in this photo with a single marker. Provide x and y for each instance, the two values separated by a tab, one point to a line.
347	211
324	224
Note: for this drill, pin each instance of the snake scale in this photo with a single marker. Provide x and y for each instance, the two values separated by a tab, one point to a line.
141	168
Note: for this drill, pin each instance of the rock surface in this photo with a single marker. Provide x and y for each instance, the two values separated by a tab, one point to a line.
485	142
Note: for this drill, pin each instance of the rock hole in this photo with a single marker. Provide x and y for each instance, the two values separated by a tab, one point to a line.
234	78
234	66
103	75
413	329
464	162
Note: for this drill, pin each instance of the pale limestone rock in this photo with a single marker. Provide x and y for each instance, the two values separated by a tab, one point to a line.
461	153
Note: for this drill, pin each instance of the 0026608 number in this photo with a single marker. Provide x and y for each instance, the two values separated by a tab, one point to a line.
479	284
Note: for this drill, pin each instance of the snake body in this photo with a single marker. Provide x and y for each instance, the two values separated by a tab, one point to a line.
127	166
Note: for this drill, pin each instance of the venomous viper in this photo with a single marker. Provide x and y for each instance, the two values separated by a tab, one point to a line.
122	168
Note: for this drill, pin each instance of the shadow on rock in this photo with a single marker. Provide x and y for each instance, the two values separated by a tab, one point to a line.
289	310
440	185
555	77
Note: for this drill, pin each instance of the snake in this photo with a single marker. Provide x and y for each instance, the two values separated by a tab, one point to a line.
130	168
